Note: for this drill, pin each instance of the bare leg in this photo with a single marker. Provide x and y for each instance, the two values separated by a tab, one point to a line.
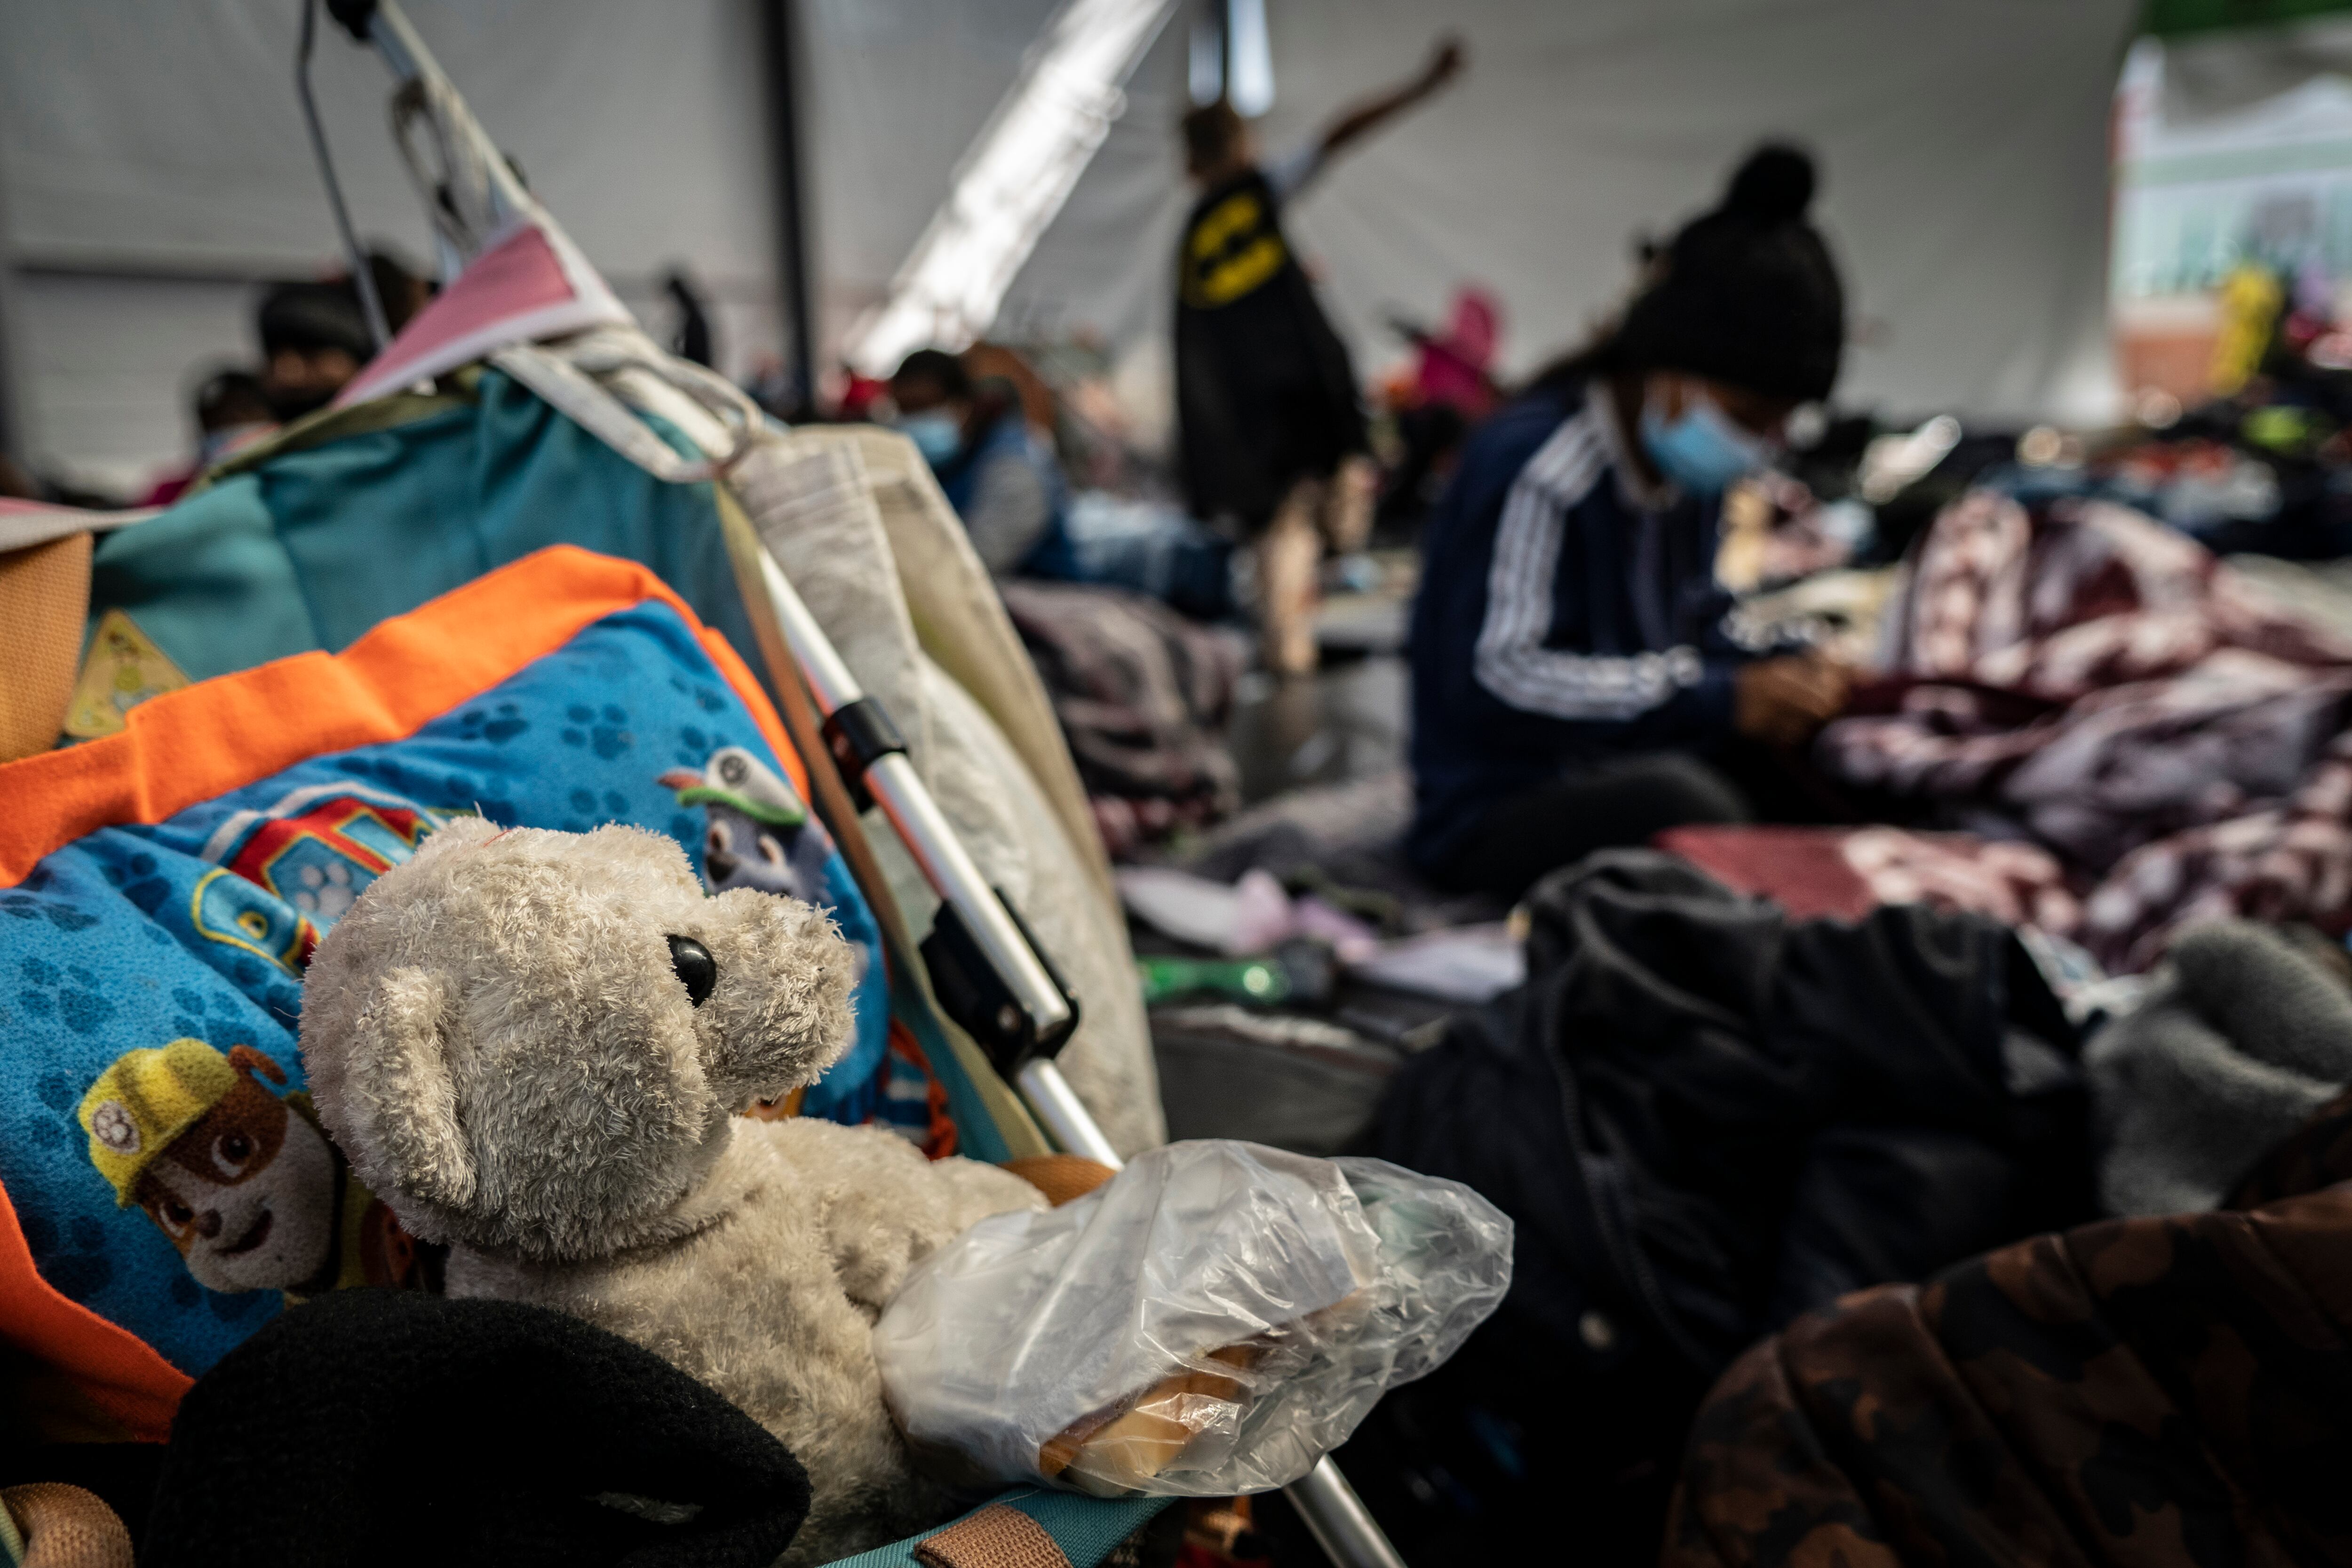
1288	555
1348	512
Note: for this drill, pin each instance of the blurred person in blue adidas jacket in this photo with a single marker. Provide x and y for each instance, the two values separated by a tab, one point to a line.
1573	684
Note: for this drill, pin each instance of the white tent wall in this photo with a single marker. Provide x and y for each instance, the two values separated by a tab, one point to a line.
1107	265
154	166
1964	148
894	92
1965	176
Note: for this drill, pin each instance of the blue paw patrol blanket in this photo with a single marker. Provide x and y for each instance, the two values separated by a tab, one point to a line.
162	889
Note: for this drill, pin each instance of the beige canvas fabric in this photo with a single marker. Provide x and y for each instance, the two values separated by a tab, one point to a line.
873	588
961	624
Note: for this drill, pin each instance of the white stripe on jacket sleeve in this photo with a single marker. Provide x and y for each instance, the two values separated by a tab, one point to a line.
1512	661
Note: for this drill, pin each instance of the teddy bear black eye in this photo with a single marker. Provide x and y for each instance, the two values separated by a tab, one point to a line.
697	970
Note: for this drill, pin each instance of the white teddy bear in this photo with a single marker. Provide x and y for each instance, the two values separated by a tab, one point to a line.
533	1046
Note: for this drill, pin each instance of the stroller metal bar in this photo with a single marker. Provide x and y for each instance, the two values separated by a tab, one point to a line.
1061	1113
405	55
363	275
1339	1521
929	837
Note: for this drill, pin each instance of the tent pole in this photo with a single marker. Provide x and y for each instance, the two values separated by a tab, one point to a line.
779	21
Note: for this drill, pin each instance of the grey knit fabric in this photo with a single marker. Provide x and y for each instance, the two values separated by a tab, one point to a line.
2239	1042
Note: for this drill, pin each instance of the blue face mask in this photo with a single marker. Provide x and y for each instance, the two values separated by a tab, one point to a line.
936	432
1704	450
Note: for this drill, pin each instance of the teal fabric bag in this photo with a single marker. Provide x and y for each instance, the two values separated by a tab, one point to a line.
318	542
379	509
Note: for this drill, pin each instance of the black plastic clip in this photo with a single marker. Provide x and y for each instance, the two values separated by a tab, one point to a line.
976	996
860	734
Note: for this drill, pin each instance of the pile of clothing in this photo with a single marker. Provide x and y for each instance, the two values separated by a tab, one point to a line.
2076	676
2267	467
1712	1121
1143	695
1292	960
1706	1119
2164	1389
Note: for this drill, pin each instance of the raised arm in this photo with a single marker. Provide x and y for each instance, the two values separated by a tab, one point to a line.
1445	62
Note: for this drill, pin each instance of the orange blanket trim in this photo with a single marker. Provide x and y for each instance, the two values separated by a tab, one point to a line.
119	1371
222	734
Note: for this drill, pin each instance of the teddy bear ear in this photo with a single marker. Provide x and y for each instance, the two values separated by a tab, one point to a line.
402	1107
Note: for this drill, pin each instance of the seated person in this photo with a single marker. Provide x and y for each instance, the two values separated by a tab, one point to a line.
314	339
1001	478
232	410
1573	688
315	336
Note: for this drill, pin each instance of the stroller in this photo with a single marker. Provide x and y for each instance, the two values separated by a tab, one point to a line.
524	409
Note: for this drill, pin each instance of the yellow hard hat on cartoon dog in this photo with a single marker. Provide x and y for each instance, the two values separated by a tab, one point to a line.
144	1100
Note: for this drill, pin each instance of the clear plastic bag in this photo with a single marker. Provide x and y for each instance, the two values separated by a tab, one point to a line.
1211	1320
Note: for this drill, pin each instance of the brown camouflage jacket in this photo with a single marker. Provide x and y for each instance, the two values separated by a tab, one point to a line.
2151	1391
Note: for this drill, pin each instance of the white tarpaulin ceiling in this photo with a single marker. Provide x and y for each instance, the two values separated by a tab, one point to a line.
1964	147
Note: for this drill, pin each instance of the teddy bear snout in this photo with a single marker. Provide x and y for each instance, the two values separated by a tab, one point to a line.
777	1011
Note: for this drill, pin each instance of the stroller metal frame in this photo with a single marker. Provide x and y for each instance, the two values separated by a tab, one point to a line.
1325	1501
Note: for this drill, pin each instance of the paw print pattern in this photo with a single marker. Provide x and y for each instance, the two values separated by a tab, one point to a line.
68	995
606	733
113	1125
28	903
72	1256
137	878
497	724
190	1022
57	1130
326	891
705	698
614	803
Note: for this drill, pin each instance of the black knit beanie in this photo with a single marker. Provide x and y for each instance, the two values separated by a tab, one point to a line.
1747	293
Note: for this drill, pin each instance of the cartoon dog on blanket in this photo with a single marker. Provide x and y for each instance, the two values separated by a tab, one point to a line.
241	1180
